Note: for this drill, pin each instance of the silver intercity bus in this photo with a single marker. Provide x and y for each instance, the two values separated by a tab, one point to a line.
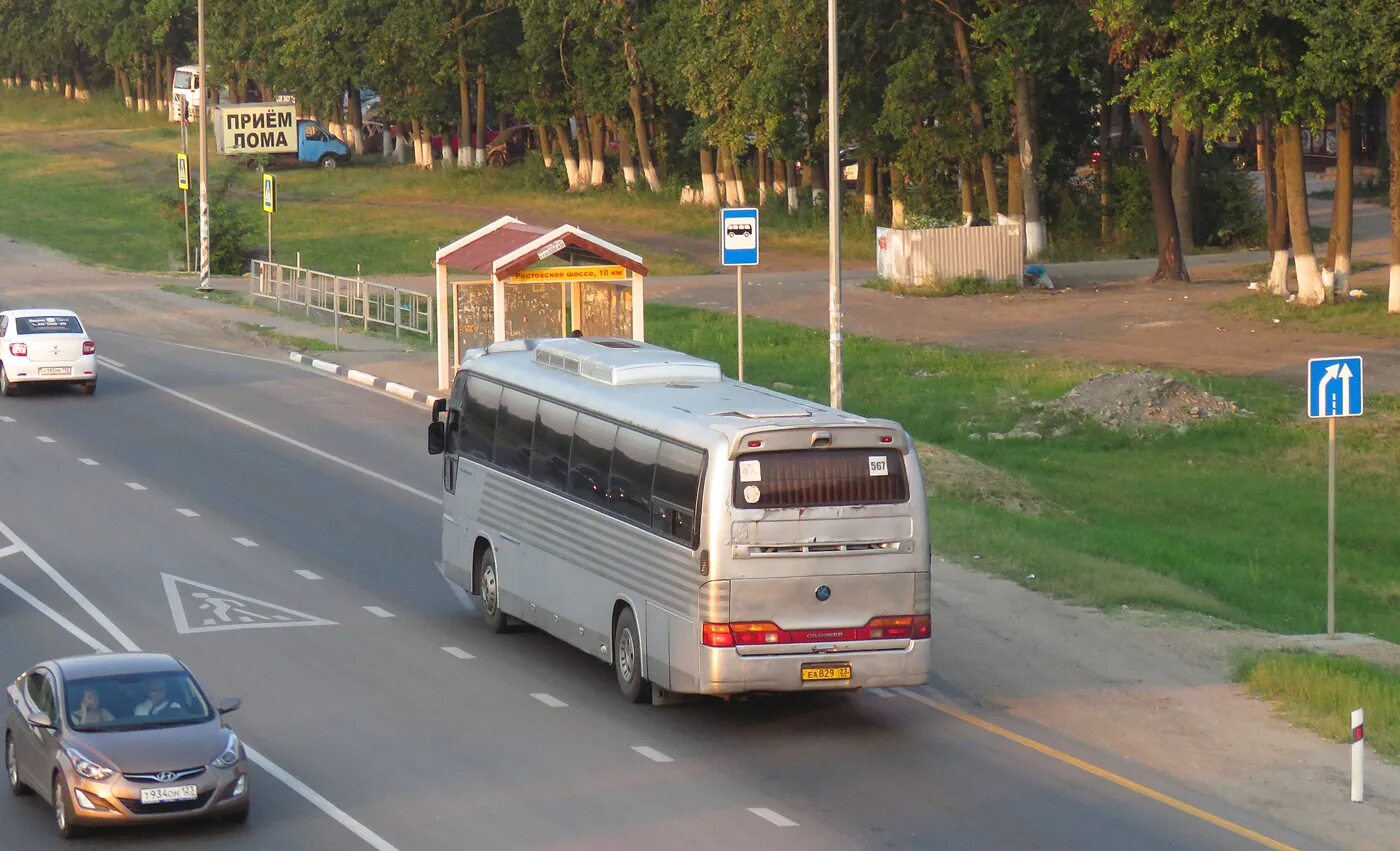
701	535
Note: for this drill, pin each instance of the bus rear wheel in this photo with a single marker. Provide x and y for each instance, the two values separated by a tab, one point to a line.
490	586
627	659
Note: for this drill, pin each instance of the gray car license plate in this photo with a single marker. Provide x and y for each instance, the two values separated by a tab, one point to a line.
166	794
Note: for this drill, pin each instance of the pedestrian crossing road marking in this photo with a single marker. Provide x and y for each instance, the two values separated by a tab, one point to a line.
197	607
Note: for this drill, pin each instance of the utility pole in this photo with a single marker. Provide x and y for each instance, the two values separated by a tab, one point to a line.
203	161
833	206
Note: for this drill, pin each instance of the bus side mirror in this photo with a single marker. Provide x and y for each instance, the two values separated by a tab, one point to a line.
437	437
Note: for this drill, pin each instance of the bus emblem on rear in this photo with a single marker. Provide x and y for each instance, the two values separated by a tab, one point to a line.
823	593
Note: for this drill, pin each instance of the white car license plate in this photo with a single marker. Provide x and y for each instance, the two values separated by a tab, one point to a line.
165	794
55	370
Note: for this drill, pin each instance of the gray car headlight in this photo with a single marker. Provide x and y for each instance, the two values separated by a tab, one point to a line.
229	757
86	766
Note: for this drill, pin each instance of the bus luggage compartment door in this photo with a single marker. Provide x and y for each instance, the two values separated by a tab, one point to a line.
821	609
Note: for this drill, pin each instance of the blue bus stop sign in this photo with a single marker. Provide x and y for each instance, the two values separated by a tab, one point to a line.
1334	387
738	236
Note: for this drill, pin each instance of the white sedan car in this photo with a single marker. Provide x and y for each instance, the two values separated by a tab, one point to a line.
45	345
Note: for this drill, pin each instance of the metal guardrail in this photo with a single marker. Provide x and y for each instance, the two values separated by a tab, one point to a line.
354	301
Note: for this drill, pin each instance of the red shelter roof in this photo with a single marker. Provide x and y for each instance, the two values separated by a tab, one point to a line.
508	245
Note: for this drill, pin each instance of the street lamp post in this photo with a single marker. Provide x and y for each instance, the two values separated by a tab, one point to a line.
203	162
833	207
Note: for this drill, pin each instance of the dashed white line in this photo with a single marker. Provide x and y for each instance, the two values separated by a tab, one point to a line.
89	462
457	653
378	612
549	700
774	818
652	753
136	486
245	542
106	361
882	692
187	512
43	438
307	574
305	447
7	419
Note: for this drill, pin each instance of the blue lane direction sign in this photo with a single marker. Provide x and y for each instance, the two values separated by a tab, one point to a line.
1334	387
738	236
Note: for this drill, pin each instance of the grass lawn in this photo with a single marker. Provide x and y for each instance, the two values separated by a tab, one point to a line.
388	219
962	285
1227	519
1354	316
1319	692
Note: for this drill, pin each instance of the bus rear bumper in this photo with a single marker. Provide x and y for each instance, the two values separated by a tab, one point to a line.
723	671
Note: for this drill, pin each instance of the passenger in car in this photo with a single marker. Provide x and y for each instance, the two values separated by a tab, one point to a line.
91	711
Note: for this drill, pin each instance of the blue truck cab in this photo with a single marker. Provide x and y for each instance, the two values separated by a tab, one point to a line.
315	144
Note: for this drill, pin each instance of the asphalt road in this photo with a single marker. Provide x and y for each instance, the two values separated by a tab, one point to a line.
317	497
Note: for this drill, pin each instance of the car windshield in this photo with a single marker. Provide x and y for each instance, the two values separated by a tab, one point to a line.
135	701
184	80
48	325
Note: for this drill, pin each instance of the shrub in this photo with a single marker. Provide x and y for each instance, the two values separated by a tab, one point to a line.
231	225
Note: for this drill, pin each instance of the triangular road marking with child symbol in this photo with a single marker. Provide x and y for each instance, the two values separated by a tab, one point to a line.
197	607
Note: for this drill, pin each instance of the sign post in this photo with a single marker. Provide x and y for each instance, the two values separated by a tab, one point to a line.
1334	390
182	181
269	207
738	247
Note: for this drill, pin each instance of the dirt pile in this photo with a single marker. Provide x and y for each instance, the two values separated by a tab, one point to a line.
1142	399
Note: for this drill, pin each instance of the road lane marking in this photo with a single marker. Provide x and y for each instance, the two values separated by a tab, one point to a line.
1101	773
307	574
213	609
313	797
652	753
457	652
44	438
882	692
245	542
549	700
136	486
775	818
110	362
290	441
10	550
7	419
346	821
187	512
106	361
378	612
77	596
89	462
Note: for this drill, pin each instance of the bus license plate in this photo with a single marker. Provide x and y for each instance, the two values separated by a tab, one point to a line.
838	671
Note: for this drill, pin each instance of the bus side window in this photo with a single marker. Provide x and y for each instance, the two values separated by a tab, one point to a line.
676	495
629	482
591	459
454	412
514	427
549	453
479	418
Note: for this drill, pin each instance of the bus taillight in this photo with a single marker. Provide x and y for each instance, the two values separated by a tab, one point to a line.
716	635
759	632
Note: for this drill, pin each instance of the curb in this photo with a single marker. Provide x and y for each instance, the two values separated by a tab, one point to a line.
393	388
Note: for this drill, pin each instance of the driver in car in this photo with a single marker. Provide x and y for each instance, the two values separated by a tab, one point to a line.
156	702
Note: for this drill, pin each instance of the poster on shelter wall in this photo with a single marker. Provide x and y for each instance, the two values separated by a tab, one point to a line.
606	310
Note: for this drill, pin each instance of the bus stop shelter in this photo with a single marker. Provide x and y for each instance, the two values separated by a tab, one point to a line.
511	280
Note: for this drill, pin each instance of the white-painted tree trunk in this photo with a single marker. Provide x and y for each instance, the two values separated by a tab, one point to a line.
464	154
1394	304
400	149
1278	273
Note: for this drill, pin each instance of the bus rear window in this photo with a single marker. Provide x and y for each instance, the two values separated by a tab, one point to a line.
808	478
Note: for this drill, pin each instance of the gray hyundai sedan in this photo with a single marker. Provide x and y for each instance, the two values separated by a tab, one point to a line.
122	738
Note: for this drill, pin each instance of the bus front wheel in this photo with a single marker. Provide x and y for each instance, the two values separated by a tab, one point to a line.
627	658
490	586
